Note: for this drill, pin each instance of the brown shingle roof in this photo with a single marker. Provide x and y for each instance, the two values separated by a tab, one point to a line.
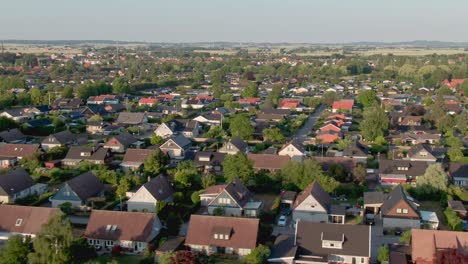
243	231
137	155
268	161
130	226
425	243
18	150
32	218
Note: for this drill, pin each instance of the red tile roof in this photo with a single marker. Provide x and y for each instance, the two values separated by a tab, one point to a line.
425	243
250	100
32	218
148	101
453	84
343	104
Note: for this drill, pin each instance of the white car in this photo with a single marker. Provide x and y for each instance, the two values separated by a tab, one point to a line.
282	220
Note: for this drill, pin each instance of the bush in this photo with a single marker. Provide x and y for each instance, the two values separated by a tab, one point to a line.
218	211
195	197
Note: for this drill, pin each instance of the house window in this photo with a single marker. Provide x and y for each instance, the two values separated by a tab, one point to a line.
221	236
399	211
18	222
215	236
405	211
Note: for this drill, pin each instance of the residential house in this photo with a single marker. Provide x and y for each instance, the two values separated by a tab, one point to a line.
234	146
17	184
272	114
399	210
36	123
426	245
171	110
222	235
121	142
209	161
12	136
323	243
453	107
107	99
328	137
294	150
67	104
343	105
400	171
24	220
130	230
79	191
131	118
410	120
17	114
420	152
332	126
268	162
314	204
149	102
189	128
95	127
420	138
233	198
11	154
176	146
92	110
146	197
458	172
78	154
60	139
356	151
291	104
135	158
453	83
211	119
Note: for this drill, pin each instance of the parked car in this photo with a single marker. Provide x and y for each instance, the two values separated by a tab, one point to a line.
370	219
282	220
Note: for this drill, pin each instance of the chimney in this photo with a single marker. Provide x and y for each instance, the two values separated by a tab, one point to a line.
149	178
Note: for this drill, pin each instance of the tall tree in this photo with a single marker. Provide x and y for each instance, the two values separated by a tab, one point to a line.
435	177
67	92
300	174
273	134
16	250
185	174
367	98
250	91
155	162
374	123
240	126
238	166
120	86
52	243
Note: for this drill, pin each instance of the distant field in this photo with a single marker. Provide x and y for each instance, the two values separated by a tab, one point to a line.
321	53
38	49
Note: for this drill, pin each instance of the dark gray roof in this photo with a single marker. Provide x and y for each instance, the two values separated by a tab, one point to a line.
457	206
126	139
74	153
64	137
159	187
356	239
355	149
181	140
283	247
239	143
15	181
215	158
314	189
415	150
130	118
86	185
238	192
374	197
12	135
458	169
415	168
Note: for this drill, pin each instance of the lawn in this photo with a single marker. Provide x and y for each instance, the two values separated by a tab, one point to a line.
106	258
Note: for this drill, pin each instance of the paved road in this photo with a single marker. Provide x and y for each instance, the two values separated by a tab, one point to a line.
301	134
377	239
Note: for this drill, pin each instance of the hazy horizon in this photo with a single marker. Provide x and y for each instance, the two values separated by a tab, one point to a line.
259	21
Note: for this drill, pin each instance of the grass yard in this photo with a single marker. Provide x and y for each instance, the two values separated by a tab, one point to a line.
435	206
267	200
107	258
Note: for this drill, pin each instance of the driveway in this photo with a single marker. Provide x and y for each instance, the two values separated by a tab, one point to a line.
377	239
284	230
301	134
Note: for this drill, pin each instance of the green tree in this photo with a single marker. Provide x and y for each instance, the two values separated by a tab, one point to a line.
259	255
185	174
120	86
360	173
156	140
155	162
455	154
238	166
52	243
435	177
67	92
273	134
36	96
329	97
374	123
250	91
165	258
453	221
215	132
208	180
405	237
300	174
95	118
367	98
123	187
240	126
6	123
383	254
16	250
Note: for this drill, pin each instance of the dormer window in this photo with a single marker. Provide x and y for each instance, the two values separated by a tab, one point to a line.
19	221
222	232
332	240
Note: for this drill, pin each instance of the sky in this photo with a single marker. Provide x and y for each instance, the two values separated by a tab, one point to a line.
294	21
